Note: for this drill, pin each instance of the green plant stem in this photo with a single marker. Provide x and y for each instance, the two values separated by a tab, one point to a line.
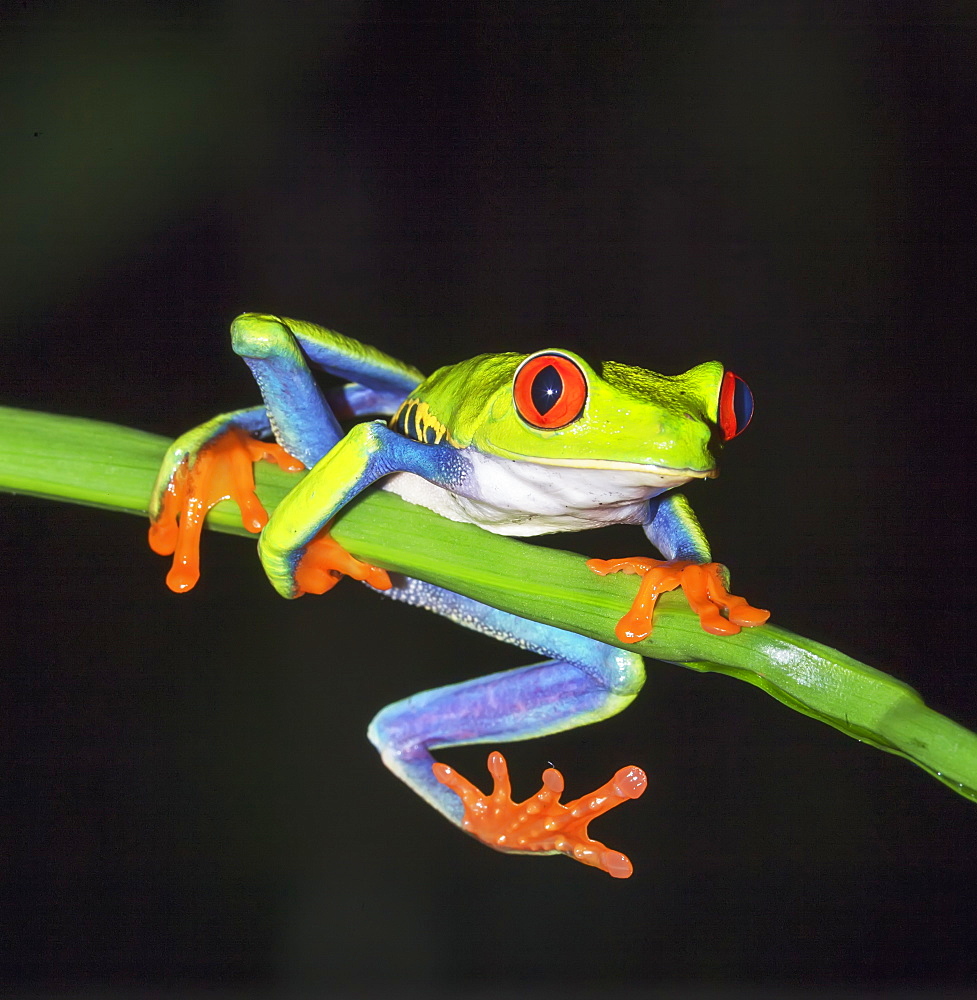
104	465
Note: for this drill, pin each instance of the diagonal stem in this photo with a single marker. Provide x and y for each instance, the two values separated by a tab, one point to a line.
104	465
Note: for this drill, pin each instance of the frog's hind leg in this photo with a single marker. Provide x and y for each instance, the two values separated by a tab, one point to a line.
584	681
279	352
214	461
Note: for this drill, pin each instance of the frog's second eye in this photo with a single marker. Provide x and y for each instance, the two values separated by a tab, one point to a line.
735	406
549	391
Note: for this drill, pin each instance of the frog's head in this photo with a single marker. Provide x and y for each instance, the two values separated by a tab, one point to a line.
553	408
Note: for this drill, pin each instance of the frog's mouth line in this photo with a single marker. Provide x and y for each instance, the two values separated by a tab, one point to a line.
665	471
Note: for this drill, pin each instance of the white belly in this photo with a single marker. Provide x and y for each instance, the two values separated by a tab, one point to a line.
522	498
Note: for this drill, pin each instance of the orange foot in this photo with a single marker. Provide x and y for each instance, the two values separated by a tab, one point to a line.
325	562
543	823
704	589
223	470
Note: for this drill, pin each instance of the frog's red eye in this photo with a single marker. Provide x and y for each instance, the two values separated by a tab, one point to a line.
549	391
735	406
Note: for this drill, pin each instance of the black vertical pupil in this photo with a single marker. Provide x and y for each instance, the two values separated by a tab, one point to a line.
547	389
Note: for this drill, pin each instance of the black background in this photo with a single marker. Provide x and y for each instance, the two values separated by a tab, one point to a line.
188	797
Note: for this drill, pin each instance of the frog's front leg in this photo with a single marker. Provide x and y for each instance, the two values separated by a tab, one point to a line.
584	682
295	549
674	530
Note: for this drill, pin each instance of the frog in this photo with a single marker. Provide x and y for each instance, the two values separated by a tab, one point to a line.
516	444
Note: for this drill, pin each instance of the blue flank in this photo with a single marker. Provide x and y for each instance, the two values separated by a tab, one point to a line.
352	400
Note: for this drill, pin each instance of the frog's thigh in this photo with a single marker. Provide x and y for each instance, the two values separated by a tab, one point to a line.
584	682
303	422
278	351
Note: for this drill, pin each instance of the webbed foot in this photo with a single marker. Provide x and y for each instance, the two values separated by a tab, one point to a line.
194	479
542	823
704	589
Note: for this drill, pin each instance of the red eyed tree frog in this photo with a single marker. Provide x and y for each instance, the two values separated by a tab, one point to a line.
517	444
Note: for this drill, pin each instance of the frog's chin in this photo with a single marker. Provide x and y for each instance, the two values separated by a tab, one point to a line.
530	497
652	470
